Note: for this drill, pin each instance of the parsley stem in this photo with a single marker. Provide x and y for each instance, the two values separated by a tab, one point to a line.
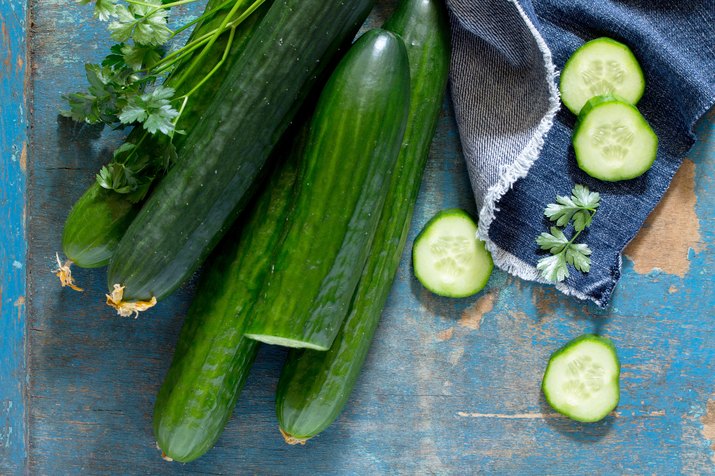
215	68
159	7
203	17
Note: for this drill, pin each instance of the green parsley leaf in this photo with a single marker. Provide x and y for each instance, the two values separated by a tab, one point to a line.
579	210
140	57
553	268
144	24
103	9
152	109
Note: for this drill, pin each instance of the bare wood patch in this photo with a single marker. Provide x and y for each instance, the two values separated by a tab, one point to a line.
671	230
472	316
708	421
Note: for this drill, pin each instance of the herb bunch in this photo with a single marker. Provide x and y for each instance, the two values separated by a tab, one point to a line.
136	84
578	209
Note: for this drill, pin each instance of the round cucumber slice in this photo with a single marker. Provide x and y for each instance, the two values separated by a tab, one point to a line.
447	257
582	379
613	141
599	67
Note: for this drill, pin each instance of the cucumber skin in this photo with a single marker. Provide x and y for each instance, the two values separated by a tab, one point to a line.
212	357
602	39
354	140
315	386
95	225
593	337
195	204
441	214
98	220
592	104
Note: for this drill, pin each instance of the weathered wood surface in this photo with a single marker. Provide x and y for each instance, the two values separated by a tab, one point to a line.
450	386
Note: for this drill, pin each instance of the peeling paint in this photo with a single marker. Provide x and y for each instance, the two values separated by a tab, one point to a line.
672	289
472	317
671	230
708	421
23	157
445	334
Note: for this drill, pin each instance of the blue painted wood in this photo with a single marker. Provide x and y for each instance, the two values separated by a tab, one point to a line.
450	386
13	139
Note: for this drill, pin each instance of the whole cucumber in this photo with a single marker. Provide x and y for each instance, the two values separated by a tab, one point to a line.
353	143
195	204
314	386
212	358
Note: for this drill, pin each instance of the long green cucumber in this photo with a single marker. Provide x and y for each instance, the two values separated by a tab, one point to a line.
98	220
314	386
193	206
353	143
212	357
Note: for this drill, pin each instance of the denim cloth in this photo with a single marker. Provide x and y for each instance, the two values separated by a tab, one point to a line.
516	136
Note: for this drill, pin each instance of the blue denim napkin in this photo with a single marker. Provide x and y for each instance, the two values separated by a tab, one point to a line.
516	136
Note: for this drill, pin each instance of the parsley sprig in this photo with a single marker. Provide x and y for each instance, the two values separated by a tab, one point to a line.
578	209
130	87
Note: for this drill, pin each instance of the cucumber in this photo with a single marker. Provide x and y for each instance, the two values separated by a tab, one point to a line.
612	141
98	220
212	357
315	386
447	257
601	67
194	205
353	143
581	380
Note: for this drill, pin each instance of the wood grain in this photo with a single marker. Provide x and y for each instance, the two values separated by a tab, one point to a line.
450	386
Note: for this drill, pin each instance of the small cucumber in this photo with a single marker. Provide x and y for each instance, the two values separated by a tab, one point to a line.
98	220
581	380
354	140
613	141
315	386
600	67
447	257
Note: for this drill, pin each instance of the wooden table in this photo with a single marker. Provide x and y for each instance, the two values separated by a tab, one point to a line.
450	386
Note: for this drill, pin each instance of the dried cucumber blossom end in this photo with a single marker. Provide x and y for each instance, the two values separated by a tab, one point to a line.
64	272
127	309
292	440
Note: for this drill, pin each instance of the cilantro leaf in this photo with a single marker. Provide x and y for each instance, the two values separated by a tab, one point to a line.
554	241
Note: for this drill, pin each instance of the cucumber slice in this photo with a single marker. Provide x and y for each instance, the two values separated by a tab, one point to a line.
613	141
447	257
581	380
599	67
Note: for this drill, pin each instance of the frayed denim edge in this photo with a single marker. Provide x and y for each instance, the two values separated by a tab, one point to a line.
510	174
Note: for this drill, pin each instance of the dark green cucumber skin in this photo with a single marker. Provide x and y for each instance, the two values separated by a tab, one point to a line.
194	205
98	220
315	386
354	140
212	358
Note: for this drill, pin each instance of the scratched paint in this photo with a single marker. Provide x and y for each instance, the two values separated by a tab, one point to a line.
13	451
94	377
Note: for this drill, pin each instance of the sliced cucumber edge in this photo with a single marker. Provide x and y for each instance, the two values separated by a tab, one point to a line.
456	212
565	348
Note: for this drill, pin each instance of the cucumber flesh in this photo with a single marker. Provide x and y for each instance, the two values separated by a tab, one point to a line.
582	379
447	257
599	67
613	141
